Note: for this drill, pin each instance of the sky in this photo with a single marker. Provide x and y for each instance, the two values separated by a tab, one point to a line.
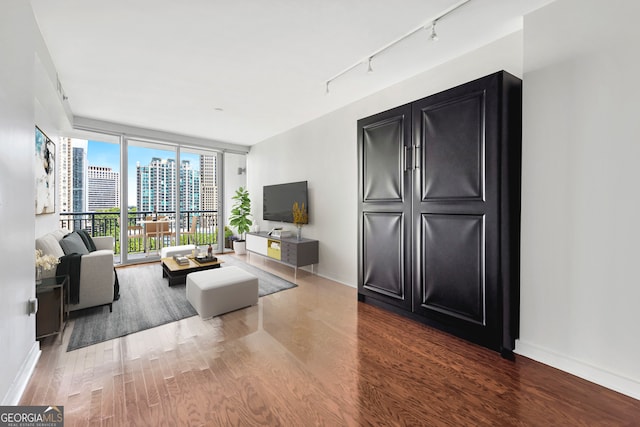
107	154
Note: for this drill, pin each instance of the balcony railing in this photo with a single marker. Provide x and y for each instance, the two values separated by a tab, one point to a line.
108	224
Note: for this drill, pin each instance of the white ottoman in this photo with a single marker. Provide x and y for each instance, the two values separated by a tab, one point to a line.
220	290
169	251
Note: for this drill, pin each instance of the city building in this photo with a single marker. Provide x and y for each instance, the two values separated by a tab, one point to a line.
104	188
209	187
65	162
72	175
189	187
79	177
156	186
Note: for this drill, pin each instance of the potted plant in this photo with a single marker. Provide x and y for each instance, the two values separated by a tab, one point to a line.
228	237
240	218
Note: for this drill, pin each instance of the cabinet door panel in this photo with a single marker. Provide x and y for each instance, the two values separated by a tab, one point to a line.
383	151
256	244
384	208
383	256
456	210
453	148
453	279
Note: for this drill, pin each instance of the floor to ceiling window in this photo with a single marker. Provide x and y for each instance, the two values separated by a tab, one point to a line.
146	194
89	185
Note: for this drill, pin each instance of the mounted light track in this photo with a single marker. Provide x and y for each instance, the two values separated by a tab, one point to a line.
430	24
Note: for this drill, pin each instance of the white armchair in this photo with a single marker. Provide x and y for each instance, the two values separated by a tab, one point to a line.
96	269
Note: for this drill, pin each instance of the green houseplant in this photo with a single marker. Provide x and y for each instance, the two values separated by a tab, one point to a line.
240	218
228	237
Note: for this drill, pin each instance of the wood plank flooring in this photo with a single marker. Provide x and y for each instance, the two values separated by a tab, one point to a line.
309	356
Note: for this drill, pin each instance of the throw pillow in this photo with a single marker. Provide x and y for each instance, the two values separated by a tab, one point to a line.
88	241
73	244
49	245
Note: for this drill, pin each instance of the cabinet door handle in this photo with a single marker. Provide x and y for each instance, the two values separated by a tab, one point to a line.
416	157
406	163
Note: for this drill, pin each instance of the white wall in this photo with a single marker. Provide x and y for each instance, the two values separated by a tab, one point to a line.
580	201
27	97
324	153
17	328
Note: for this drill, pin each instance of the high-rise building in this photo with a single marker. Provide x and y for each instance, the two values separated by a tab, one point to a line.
209	183
156	189
104	188
65	164
155	185
79	176
73	175
189	187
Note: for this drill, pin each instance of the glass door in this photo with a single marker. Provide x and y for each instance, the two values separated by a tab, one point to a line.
199	218
151	198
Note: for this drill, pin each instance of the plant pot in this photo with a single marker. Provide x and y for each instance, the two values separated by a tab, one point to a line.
240	247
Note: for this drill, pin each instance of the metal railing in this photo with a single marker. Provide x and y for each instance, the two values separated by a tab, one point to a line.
139	241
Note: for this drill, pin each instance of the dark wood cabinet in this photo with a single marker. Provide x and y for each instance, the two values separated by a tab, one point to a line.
439	210
385	206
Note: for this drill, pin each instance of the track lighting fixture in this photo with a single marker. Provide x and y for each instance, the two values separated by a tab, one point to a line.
433	36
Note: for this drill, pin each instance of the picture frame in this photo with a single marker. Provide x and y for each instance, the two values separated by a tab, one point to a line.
45	173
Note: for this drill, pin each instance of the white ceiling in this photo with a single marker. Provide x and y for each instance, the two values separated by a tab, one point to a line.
171	65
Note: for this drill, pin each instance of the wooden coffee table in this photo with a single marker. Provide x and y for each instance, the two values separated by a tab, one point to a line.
177	274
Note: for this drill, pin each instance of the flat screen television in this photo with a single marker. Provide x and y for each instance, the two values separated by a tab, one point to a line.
278	200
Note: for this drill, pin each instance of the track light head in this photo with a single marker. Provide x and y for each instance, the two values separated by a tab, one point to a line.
326	87
369	69
433	36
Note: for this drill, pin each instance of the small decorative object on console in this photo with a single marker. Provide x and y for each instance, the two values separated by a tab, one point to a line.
181	259
278	234
203	259
300	217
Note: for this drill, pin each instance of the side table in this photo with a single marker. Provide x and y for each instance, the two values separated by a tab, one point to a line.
53	307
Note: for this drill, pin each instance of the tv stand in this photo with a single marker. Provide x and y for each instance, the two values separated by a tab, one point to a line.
286	250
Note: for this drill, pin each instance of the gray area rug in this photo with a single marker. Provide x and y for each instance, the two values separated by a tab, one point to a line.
146	301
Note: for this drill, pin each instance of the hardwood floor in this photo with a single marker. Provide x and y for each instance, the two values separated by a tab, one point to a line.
307	356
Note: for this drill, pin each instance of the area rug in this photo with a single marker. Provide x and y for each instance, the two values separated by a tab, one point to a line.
146	301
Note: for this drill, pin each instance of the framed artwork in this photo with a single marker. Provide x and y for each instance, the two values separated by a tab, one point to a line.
45	171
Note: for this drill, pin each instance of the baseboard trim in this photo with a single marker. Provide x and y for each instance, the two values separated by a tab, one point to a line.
19	385
336	280
580	369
